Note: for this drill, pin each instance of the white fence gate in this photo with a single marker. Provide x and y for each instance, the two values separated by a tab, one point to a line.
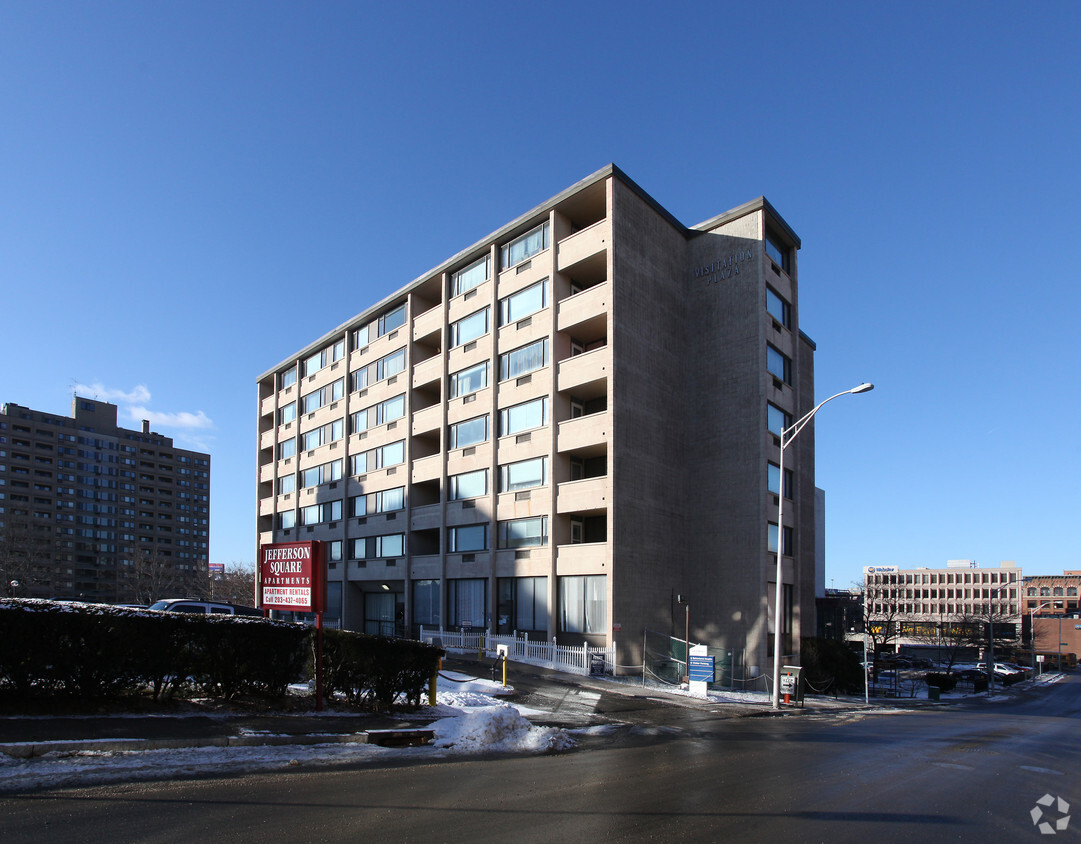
584	659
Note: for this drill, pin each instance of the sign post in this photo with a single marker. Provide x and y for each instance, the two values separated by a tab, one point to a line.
292	577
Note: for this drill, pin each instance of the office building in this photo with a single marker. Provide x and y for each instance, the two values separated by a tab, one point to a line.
559	431
929	604
92	511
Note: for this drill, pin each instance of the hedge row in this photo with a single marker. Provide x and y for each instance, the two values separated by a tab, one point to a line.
58	648
374	671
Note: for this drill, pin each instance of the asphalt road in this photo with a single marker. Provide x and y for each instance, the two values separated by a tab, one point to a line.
969	772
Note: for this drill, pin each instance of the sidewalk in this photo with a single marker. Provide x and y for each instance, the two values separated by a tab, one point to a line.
30	736
27	736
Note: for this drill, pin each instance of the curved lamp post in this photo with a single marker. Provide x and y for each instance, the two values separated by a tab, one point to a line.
787	435
1032	631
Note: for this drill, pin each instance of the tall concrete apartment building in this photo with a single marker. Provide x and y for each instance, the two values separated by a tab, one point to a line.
559	430
90	510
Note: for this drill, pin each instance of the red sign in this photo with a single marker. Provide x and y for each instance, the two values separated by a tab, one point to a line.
291	576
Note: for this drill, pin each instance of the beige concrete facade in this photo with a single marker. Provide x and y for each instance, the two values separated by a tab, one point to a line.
562	438
93	511
921	600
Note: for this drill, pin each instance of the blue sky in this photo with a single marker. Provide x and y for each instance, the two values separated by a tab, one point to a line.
192	191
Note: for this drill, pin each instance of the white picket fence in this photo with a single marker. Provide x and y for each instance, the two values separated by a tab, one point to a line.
584	659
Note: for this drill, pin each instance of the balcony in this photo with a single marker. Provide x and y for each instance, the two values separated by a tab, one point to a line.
583	558
587	435
428	419
582	245
428	371
428	323
427	468
266	506
266	473
426	518
585	375
590	495
266	439
585	313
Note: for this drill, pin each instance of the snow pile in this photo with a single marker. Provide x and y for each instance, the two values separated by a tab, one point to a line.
471	722
497	729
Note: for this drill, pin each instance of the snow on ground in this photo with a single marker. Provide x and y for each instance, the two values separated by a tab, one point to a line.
470	720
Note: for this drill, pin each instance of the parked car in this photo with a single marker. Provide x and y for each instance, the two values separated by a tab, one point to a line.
203	607
1001	669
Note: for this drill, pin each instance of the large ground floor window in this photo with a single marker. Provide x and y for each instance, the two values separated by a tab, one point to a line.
523	605
583	604
467	599
426	603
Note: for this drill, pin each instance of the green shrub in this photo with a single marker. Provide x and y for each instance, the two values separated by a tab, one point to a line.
829	665
945	682
375	671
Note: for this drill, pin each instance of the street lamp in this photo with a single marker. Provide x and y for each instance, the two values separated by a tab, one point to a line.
1032	630
991	634
787	435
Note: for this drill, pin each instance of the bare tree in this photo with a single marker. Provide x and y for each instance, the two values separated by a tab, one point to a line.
24	559
152	577
950	636
881	622
236	585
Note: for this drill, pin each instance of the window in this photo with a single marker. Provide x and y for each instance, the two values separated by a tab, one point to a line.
287	448
287	378
359	379
320	359
392	364
523	303
321	474
287	520
467	601
583	604
328	511
524	602
379	458
772	542
287	413
379	547
525	247
773	480
286	484
523	417
386	501
392	320
777	420
778	308
378	414
360	337
468	485
522	533
469	380
523	360
469	328
778	364
469	432
475	274
524	474
778	252
324	395
426	602
331	432
466	538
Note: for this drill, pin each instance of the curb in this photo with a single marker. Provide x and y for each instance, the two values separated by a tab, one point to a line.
382	738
